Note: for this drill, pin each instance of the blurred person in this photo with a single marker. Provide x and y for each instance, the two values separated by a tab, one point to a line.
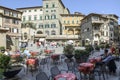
27	53
110	61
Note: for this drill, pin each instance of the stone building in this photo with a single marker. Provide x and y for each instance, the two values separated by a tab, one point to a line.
99	28
10	19
46	19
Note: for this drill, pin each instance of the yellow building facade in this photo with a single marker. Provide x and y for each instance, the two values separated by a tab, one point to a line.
71	25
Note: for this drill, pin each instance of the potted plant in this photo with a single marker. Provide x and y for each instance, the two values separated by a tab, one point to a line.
81	55
7	68
68	51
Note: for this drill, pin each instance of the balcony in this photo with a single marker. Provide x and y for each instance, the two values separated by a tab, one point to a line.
40	35
62	37
97	21
14	34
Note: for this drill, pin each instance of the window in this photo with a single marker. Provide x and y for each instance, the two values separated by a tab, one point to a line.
35	10
24	18
47	32
29	18
39	32
68	22
47	17
14	30
95	18
15	15
41	26
46	25
7	20
6	12
111	34
64	22
14	21
53	5
46	5
46	10
102	33
25	11
40	9
106	33
53	16
29	10
53	32
53	25
35	17
77	21
40	17
25	35
72	22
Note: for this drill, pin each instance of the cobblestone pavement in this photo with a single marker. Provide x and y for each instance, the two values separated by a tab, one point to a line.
23	76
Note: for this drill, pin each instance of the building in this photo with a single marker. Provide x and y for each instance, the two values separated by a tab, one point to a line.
10	19
119	33
99	28
46	19
3	37
71	26
52	19
32	22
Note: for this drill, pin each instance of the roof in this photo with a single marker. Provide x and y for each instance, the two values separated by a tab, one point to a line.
29	7
59	1
72	15
93	14
10	9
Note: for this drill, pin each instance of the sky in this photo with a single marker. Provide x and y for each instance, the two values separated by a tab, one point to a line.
83	6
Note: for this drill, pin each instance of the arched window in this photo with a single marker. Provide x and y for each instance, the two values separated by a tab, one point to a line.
71	31
53	32
47	32
77	31
39	32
